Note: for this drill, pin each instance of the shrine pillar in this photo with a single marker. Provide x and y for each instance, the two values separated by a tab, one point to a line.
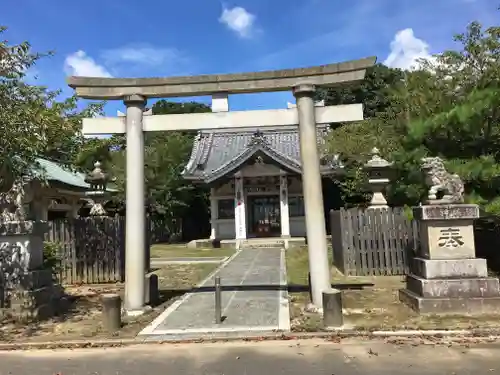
284	212
239	208
213	214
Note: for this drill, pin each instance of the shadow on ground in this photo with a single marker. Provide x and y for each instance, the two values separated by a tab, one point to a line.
167	294
82	317
79	317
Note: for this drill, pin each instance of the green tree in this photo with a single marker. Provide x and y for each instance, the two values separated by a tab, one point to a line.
33	122
373	91
166	154
164	107
354	141
95	149
449	107
464	128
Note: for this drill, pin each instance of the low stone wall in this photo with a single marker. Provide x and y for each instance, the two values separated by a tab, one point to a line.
27	291
37	299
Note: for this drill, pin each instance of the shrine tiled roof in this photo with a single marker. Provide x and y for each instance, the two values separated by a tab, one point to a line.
55	172
217	153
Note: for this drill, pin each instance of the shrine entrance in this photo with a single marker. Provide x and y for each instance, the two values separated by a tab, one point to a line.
135	92
264	216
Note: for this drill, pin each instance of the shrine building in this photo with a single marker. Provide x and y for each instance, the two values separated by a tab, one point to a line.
255	179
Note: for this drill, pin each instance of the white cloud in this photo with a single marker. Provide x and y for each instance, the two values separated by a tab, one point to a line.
239	20
80	64
407	50
130	60
142	55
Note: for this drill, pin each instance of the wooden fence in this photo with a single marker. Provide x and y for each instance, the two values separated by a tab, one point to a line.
91	250
372	241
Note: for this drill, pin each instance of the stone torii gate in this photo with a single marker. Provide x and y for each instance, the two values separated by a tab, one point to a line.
135	91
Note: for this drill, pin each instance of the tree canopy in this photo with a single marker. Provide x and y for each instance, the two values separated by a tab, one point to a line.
166	154
449	106
33	121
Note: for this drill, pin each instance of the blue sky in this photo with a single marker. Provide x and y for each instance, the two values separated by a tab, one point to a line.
163	38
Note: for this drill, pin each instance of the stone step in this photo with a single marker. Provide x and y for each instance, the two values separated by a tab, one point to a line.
454	288
449	268
262	244
450	306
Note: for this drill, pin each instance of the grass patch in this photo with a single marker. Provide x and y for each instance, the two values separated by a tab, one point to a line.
183	276
370	303
83	320
181	251
297	264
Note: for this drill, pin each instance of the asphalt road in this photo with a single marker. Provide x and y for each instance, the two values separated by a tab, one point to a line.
309	357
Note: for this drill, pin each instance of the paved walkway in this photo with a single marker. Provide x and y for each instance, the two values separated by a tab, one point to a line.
254	298
187	260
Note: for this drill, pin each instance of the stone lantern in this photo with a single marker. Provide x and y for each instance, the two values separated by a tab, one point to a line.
98	181
379	171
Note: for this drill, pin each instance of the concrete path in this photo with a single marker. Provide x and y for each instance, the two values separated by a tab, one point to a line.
310	357
254	299
186	260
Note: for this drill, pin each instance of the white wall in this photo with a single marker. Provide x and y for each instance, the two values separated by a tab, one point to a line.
225	229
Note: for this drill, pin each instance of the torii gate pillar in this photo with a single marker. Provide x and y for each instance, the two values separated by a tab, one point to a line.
135	240
313	194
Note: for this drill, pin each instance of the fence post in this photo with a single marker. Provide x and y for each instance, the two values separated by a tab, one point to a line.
111	312
218	301
309	287
147	250
336	240
152	292
332	309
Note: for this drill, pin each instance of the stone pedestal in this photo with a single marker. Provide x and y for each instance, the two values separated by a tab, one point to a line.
445	276
27	290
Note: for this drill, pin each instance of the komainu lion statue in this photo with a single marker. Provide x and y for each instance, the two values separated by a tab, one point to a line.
11	203
444	186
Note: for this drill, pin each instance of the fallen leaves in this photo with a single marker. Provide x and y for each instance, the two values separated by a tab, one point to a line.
83	319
